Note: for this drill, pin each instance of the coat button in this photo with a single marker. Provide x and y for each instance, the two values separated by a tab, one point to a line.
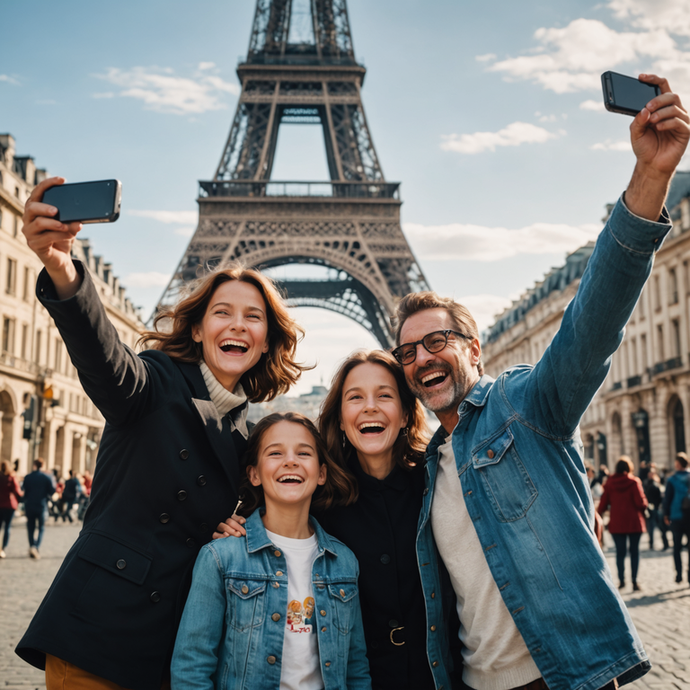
322	612
393	623
201	480
425	492
184	454
190	543
328	663
181	495
435	664
245	589
121	564
164	518
433	628
275	617
433	595
342	592
276	585
490	454
277	554
271	659
385	559
279	573
155	597
323	629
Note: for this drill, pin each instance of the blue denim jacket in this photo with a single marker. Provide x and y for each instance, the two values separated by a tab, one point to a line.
519	458
230	637
673	500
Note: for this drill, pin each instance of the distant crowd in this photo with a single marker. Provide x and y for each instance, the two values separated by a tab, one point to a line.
40	495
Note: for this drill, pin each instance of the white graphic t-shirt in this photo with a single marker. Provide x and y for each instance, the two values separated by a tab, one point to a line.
300	669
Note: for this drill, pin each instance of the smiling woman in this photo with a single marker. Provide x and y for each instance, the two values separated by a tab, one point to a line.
170	459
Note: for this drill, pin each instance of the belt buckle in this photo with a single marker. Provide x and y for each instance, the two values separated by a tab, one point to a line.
397	644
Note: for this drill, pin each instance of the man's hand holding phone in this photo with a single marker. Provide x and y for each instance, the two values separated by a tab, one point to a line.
51	240
659	135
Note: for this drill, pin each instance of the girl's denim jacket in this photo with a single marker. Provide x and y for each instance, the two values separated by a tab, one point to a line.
231	634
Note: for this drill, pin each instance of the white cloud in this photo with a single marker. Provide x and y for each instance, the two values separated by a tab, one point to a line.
8	79
597	106
206	65
167	216
572	58
147	280
484	308
458	241
185	232
164	92
513	135
104	94
672	15
485	58
609	145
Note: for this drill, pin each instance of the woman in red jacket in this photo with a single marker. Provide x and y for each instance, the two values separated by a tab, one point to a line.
9	500
623	494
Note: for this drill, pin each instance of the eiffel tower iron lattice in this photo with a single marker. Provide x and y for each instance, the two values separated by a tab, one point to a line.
349	224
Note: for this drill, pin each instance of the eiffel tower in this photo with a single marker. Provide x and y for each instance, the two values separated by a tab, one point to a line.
350	224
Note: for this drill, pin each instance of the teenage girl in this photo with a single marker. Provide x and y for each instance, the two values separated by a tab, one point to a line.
279	607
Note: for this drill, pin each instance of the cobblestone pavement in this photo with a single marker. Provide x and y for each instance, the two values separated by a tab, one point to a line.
661	611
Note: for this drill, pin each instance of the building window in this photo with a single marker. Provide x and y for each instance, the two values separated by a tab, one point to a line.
660	342
37	350
673	284
8	335
675	325
26	294
15	226
11	284
657	294
58	355
643	347
16	192
25	340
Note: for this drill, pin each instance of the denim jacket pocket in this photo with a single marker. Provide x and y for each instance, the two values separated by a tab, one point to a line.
343	597
508	485
245	603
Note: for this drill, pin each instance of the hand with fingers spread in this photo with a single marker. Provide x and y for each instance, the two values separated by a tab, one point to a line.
51	240
659	135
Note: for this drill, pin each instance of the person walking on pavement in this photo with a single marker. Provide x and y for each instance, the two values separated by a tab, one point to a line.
10	493
678	491
38	488
655	497
70	495
624	496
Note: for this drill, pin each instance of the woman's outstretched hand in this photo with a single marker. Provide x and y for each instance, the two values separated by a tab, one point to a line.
51	240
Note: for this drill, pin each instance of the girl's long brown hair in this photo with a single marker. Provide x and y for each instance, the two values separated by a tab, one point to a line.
277	369
340	488
409	447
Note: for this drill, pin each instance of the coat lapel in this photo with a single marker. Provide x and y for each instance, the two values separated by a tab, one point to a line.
217	429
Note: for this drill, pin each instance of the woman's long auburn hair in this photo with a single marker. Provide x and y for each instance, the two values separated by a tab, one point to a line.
340	488
409	447
277	369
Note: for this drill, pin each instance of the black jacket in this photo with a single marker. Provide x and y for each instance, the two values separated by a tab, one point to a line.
167	474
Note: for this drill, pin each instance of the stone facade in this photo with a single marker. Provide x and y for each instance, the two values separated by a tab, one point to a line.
642	408
36	374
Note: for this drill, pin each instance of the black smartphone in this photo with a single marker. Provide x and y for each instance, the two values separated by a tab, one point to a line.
626	95
86	202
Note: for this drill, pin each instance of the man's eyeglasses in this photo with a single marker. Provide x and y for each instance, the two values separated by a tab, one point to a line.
432	342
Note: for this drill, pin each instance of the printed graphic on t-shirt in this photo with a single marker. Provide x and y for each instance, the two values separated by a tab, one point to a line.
300	617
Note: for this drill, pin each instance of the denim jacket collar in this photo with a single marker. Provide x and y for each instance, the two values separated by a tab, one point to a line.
257	537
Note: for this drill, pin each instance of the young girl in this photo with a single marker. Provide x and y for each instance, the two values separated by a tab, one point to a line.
278	608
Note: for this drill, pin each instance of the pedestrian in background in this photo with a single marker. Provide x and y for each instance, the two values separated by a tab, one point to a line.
10	493
624	497
678	492
38	488
70	495
655	497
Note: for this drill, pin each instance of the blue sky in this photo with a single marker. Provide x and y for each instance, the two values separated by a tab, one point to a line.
489	114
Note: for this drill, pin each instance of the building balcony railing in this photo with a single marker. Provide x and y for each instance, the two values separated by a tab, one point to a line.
271	188
669	364
617	386
634	381
8	360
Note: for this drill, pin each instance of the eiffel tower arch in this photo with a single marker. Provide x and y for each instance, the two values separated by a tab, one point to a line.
350	224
